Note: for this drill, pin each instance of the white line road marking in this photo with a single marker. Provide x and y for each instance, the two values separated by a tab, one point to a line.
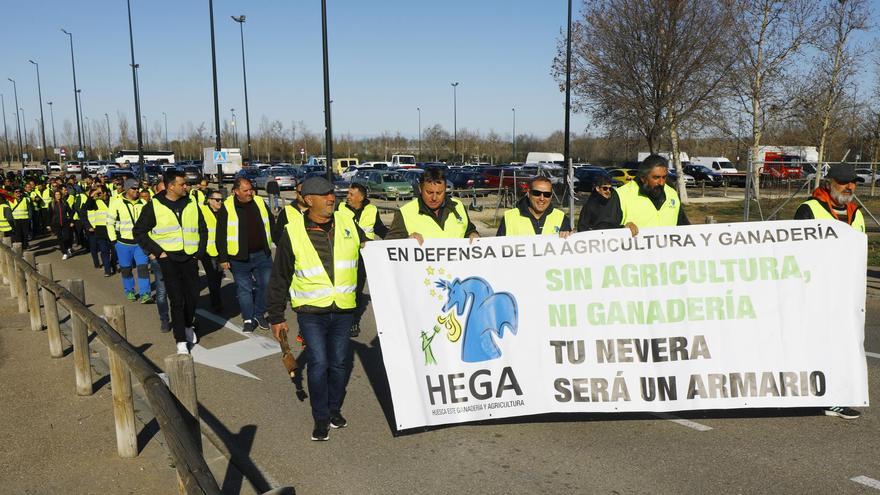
228	357
683	422
873	355
869	482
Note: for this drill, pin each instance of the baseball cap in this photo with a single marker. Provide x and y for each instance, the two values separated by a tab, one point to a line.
130	184
842	172
316	185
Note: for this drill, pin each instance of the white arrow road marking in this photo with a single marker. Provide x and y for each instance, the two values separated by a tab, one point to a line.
228	357
869	482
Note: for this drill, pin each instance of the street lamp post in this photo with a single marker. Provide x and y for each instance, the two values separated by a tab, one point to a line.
88	129
137	97
418	109
217	145
235	130
454	122
247	117
568	115
75	91
26	145
5	131
328	128
79	104
165	116
514	133
42	126
147	133
17	122
109	141
52	115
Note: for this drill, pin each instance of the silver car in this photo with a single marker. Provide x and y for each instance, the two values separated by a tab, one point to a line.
285	177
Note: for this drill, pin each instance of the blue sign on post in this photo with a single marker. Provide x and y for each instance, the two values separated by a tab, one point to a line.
80	154
220	157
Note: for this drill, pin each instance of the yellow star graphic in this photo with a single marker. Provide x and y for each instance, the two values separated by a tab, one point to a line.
427	282
430	270
442	271
433	293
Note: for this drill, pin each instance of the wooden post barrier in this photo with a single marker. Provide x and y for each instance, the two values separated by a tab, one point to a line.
7	262
182	379
120	383
21	284
33	294
80	337
4	268
50	308
13	278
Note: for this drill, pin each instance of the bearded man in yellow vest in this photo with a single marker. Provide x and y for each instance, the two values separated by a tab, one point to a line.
316	271
432	215
647	201
244	243
534	215
835	199
171	229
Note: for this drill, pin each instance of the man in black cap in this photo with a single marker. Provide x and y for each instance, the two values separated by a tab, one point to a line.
647	201
834	199
316	270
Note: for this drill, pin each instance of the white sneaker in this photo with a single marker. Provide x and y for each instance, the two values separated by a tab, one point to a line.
191	336
64	257
182	348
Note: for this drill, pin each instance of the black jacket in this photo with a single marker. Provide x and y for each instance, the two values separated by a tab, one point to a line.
222	221
599	213
60	215
147	221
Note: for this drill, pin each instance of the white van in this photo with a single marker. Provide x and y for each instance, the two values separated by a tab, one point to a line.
718	164
543	157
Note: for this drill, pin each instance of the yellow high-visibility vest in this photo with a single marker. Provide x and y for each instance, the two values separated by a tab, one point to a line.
516	224
366	222
455	226
4	224
211	223
232	223
820	213
100	217
124	214
172	235
311	285
20	209
641	211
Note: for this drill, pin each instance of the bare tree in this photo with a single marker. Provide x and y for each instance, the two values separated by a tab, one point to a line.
124	137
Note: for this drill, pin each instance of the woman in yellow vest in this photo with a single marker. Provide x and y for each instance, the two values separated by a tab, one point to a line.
96	223
213	204
834	199
534	215
315	271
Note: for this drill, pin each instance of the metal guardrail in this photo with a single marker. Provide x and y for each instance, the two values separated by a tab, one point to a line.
25	282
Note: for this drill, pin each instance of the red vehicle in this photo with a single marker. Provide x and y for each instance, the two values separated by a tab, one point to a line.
492	177
782	166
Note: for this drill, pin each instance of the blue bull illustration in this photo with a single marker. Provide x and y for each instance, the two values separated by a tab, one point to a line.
489	314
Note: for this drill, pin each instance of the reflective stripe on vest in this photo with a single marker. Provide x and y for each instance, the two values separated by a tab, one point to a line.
454	227
311	285
366	222
232	223
641	211
516	224
125	214
211	223
820	213
20	209
172	235
4	224
99	217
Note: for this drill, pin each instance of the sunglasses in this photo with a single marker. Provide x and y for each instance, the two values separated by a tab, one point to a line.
536	193
215	199
604	188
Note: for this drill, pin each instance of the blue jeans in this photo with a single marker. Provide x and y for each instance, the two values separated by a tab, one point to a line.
131	255
327	344
161	295
251	280
99	244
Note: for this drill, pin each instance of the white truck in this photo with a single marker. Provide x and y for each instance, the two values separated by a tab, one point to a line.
545	157
398	161
230	167
718	164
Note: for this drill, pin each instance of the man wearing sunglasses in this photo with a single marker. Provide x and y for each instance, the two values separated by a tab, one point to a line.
647	201
598	213
834	199
534	215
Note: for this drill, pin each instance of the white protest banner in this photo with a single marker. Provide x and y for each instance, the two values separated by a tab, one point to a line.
717	316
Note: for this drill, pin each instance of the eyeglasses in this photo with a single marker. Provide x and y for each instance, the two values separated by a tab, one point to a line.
536	193
604	188
215	199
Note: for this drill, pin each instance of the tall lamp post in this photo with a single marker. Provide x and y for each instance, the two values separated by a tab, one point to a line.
328	128
42	125
52	115
137	97
454	122
88	129
216	97
75	91
235	131
418	109
17	122
5	131
247	116
514	133
109	141
147	131
26	146
165	116
79	104
568	115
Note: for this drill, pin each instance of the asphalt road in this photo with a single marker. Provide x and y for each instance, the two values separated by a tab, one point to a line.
738	451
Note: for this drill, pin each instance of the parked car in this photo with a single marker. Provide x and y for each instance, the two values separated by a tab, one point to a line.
587	177
352	170
465	179
192	173
413	175
672	178
866	175
286	177
54	167
624	175
73	167
153	172
121	172
493	177
702	173
91	166
388	184
250	173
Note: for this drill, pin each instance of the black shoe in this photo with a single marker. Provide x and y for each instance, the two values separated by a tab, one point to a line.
842	412
355	330
249	327
337	421
165	327
262	322
321	433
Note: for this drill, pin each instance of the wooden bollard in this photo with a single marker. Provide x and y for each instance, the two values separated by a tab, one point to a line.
50	308
7	263
13	279
182	378
80	336
120	383
33	294
3	269
21	285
